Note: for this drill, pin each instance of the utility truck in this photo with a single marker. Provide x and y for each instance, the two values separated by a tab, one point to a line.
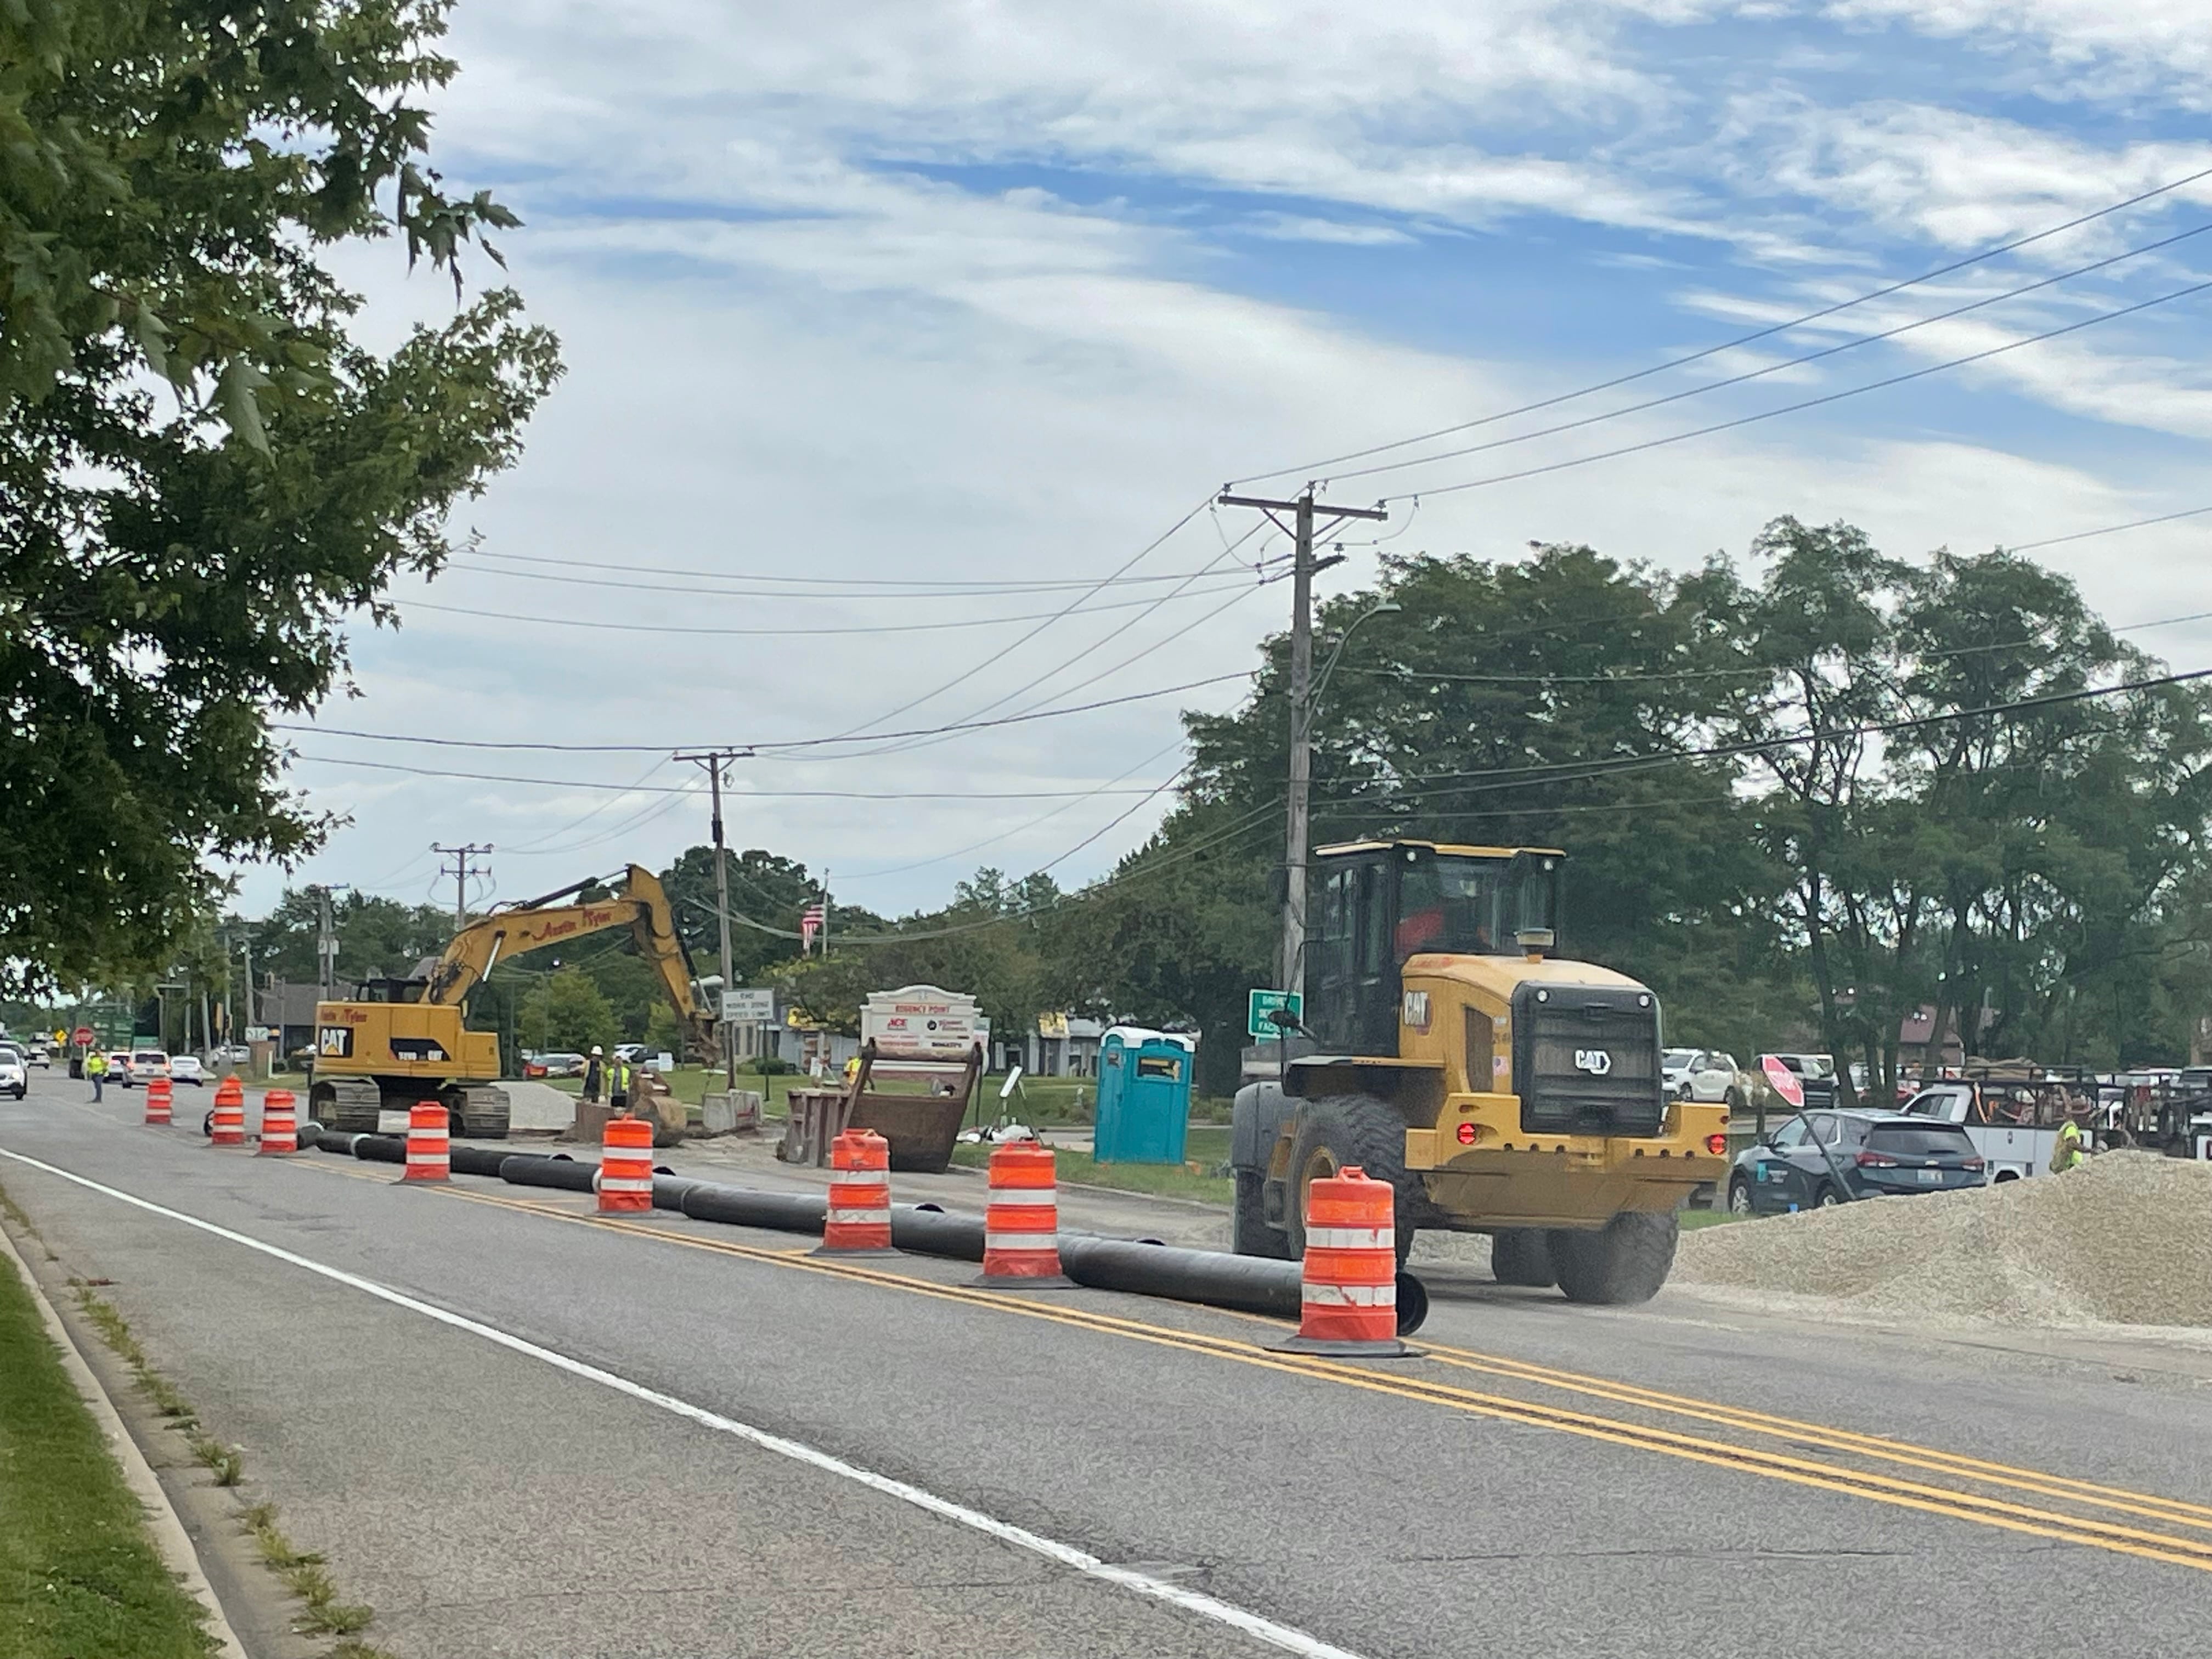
1499	1087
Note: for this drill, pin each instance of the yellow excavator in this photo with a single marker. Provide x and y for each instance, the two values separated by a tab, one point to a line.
401	1041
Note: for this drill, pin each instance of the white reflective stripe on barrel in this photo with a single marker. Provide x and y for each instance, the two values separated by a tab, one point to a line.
859	1217
1351	1238
625	1184
1029	1197
996	1242
1351	1296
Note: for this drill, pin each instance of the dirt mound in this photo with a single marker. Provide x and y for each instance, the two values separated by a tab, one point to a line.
2125	1239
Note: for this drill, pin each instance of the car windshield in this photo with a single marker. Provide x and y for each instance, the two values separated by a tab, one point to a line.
1678	1057
1917	1140
150	1057
1469	906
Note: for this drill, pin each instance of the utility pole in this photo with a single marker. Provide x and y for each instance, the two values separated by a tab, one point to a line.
326	941
1303	568
714	760
462	870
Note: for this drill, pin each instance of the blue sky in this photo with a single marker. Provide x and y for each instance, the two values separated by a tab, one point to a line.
995	291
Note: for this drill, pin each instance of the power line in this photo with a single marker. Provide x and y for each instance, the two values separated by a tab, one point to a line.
1776	367
1809	403
2110	529
791	743
1067	663
1312	468
1411	675
750	794
886	587
596	623
1578	771
968	673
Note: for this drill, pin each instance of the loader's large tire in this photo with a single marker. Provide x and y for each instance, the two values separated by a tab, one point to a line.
1625	1262
1522	1255
1342	1132
1249	1231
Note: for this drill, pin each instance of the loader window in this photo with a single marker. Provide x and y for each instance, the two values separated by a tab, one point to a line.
1472	907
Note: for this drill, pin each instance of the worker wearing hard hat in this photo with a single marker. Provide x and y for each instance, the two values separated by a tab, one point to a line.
591	1070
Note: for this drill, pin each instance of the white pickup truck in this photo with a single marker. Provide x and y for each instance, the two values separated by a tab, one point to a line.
2014	1131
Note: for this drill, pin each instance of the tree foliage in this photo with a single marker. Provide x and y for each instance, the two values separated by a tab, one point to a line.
203	471
565	1012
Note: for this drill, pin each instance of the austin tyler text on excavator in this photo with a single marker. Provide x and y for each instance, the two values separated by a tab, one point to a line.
401	1041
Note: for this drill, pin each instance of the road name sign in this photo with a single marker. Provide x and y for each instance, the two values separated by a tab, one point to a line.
1259	1004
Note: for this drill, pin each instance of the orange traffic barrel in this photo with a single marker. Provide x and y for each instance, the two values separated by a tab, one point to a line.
429	1149
1021	1221
229	1127
158	1098
1348	1296
280	1124
625	1183
858	1221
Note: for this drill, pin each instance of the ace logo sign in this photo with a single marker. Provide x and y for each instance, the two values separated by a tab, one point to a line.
1596	1061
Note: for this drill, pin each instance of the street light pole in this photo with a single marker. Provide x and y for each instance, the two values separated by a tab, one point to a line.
1304	568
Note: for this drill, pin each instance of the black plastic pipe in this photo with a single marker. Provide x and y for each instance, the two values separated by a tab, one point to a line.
380	1149
1247	1283
740	1206
535	1170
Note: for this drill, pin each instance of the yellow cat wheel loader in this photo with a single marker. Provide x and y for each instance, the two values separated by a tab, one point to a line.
1498	1087
402	1040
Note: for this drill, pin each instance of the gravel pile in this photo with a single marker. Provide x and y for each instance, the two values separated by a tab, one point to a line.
2125	1239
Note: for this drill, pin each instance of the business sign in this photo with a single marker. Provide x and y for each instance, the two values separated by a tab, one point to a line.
923	1021
1783	1081
1053	1026
1259	1004
754	1005
259	1034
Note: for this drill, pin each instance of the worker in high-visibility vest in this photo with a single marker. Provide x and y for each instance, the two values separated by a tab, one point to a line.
618	1084
2067	1152
95	1067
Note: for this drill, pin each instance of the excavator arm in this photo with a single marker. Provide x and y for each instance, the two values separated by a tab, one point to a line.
638	902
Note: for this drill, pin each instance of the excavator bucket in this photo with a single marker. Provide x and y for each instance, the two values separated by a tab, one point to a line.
915	1104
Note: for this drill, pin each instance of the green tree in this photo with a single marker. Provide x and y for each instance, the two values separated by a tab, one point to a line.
175	568
565	1012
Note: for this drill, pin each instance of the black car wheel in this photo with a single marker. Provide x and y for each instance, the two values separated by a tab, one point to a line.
1739	1196
1828	1198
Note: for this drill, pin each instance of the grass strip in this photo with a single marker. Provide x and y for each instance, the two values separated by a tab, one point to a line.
79	1574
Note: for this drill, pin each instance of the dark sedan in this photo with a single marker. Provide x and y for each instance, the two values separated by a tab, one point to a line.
1816	1159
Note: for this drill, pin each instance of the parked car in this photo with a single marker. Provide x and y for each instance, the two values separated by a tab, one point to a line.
1818	1159
1714	1078
37	1055
186	1068
119	1066
554	1065
636	1053
142	1066
236	1054
14	1075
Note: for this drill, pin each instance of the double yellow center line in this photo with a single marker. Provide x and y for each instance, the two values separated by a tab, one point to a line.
2173	1532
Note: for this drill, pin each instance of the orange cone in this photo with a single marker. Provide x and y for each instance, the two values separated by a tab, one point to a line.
1349	1304
429	1153
280	1124
1021	1223
625	1183
858	1221
229	1128
158	1098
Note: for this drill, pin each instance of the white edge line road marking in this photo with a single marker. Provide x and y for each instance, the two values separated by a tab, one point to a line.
1196	1602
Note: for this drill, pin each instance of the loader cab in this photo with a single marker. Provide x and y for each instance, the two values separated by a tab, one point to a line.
1379	903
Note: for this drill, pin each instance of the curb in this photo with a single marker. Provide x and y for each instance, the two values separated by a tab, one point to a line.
162	1522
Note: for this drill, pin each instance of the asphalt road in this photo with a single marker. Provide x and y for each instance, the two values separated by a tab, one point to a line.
528	1432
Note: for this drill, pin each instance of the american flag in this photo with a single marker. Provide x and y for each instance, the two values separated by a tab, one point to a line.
810	923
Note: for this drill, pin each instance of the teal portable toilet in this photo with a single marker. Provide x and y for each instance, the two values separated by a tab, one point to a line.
1144	1095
